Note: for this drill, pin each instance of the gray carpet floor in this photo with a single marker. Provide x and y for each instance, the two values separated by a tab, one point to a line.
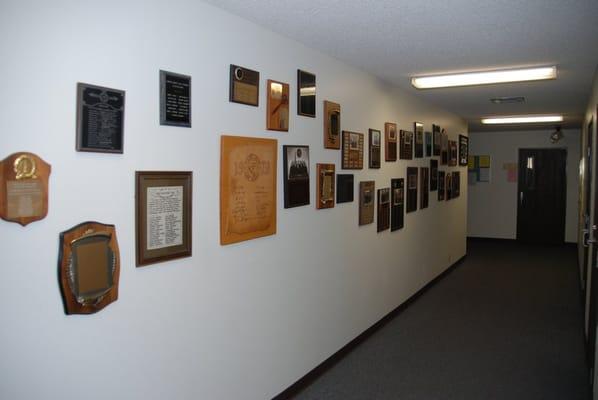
505	324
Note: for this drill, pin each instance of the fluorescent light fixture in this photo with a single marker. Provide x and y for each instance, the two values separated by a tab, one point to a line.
523	120
484	78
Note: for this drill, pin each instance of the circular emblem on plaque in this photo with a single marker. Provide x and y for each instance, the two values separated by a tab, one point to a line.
24	167
252	167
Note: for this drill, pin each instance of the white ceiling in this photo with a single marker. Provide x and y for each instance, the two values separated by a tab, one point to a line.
398	39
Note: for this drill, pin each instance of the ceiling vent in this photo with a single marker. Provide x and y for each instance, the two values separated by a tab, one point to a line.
506	100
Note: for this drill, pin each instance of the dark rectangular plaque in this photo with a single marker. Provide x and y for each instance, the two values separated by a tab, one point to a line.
406	143
344	188
306	94
296	175
449	185
390	137
375	141
456	183
444	150
425	182
397	186
463	149
244	86
100	118
366	202
352	150
175	99
418	128
383	209
452	145
428	144
411	189
441	188
433	175
436	140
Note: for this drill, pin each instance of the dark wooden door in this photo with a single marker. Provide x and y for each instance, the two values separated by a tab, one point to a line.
541	197
590	243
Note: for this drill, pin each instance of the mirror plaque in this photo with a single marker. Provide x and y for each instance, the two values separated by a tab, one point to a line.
332	125
89	267
24	188
175	99
306	94
277	106
418	128
366	202
397	203
390	137
244	86
325	186
100	119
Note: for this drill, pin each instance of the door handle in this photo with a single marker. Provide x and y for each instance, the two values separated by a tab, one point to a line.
520	197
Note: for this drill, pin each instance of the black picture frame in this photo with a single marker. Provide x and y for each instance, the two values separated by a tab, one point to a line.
433	175
306	94
175	99
345	188
397	205
412	184
436	140
295	159
463	150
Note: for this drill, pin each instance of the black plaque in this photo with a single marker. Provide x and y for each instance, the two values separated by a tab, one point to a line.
436	140
441	188
397	186
411	189
244	86
428	144
100	118
406	143
425	185
433	175
383	209
456	184
375	142
175	99
463	149
306	94
418	128
296	175
344	188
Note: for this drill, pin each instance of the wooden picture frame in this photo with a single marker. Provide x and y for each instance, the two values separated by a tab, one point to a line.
248	168
374	144
296	175
367	202
332	125
325	186
463	150
390	139
352	150
406	145
418	131
277	106
306	94
244	86
452	162
163	215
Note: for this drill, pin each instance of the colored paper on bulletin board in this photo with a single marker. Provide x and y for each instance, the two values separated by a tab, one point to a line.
478	169
511	169
484	161
471	163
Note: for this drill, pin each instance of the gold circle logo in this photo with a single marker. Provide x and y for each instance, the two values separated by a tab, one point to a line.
24	167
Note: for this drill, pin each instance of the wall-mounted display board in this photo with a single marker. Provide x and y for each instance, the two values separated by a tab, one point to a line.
411	189
397	195
89	267
478	169
443	148
383	209
452	162
366	202
325	186
441	187
306	94
244	86
175	99
406	138
449	185
247	188
390	138
425	182
352	150
375	141
437	140
332	125
24	188
418	129
163	204
344	188
433	175
456	184
100	119
277	107
428	136
463	150
296	175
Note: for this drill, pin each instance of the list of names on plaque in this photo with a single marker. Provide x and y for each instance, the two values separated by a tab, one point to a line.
164	216
24	198
175	99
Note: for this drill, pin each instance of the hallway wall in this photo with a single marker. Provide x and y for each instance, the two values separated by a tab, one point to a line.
237	322
492	207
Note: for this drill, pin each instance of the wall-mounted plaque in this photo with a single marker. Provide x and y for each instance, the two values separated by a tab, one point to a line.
89	267
383	209
306	94
244	86
332	125
175	99
433	175
418	129
352	150
247	188
437	140
277	109
325	186
366	202
428	136
425	182
406	152
390	137
397	187
100	119
441	187
163	206
344	188
296	175
463	149
449	185
24	188
456	184
411	189
452	162
443	148
375	141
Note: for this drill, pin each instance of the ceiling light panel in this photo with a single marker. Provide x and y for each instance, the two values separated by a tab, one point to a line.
523	119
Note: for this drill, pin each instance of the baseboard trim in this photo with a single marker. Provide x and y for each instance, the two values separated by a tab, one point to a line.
490	239
325	365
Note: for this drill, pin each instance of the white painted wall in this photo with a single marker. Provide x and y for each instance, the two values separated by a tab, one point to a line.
492	207
237	322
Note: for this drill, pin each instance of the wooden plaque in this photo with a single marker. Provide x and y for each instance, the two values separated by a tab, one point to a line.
247	188
418	129
344	188
443	148
89	267
397	187
411	189
463	149
366	202
441	188
383	209
436	140
332	125
433	175
425	182
375	141
352	150
277	113
296	175
449	186
306	94
390	138
428	136
406	141
24	188
456	184
244	86
325	186
452	145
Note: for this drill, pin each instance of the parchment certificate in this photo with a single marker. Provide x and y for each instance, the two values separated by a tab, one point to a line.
164	216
